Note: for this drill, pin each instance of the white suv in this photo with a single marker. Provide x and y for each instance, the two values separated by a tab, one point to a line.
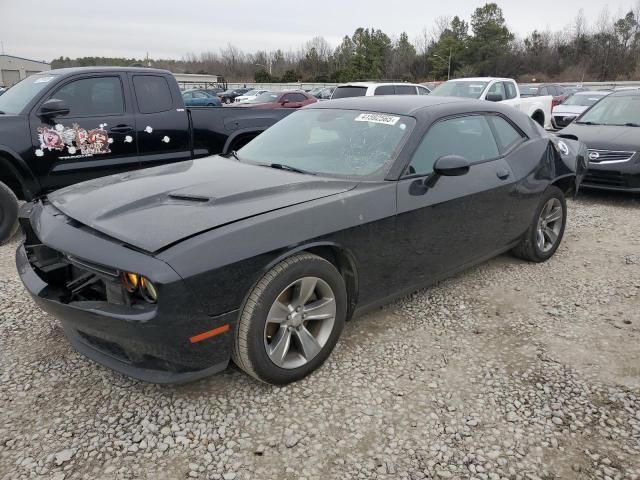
369	89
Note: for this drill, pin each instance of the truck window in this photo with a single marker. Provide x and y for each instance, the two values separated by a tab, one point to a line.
18	97
385	90
153	94
95	96
423	91
510	88
405	90
497	88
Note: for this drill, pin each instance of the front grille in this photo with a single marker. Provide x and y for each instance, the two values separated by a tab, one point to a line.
605	179
610	156
68	278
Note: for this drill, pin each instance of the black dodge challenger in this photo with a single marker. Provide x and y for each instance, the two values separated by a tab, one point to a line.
166	274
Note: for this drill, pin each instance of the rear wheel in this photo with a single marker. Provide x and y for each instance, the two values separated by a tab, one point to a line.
291	320
547	228
8	213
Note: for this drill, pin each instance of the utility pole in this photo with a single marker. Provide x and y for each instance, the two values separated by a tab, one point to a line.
449	67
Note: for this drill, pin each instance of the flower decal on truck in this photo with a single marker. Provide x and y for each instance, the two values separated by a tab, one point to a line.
75	139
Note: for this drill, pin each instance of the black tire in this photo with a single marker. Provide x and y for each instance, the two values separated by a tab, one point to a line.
249	351
528	248
8	213
227	101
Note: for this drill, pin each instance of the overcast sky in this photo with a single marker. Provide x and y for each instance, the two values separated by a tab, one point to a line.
44	30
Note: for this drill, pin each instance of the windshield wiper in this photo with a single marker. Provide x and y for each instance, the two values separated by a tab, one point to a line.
281	166
588	123
632	124
1	112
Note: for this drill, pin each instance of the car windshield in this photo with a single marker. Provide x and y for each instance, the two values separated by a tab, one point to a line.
18	97
251	93
581	100
266	97
467	89
528	90
343	143
614	110
349	91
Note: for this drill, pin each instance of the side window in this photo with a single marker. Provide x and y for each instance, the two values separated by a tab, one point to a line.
187	96
510	88
385	90
497	88
506	134
423	91
199	95
544	91
152	93
297	97
405	90
470	137
90	97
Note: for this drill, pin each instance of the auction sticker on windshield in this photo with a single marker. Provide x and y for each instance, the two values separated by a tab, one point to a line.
377	118
44	79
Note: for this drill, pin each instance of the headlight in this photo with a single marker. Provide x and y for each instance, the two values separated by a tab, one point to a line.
134	283
130	281
148	290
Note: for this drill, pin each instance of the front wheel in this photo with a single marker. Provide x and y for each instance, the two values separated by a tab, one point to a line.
291	320
546	229
8	213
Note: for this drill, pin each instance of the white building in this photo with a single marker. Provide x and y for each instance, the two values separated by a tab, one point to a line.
13	69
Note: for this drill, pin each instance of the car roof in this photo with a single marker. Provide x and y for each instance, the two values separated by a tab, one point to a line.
377	84
396	104
72	70
480	79
626	93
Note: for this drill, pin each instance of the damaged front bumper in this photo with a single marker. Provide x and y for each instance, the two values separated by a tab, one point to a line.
73	273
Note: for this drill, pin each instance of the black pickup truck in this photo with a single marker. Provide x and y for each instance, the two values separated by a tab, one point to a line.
65	126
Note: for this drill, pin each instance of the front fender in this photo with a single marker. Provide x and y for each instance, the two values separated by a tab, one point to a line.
13	163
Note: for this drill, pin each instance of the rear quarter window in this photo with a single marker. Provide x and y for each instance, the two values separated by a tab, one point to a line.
153	94
348	91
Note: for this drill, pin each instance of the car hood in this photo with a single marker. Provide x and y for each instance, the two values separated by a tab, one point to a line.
154	208
606	137
568	110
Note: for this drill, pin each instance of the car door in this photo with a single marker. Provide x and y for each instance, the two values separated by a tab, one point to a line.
162	124
459	219
94	139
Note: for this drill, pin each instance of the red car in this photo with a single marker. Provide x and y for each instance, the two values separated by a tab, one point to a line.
279	100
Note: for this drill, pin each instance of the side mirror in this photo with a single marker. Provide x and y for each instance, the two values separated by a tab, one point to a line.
451	166
494	97
54	107
284	102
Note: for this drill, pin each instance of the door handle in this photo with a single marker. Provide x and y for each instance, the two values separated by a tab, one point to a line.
503	174
121	129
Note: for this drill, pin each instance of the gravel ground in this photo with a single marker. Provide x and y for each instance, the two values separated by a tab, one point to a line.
508	371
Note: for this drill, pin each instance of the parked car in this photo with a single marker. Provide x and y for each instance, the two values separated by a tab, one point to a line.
250	94
325	93
322	93
166	274
229	96
369	89
503	90
574	105
288	99
64	126
558	92
611	130
200	98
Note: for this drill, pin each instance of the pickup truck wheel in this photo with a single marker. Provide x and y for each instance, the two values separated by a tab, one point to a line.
8	213
546	229
291	320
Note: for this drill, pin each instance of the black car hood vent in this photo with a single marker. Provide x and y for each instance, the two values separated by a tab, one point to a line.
155	208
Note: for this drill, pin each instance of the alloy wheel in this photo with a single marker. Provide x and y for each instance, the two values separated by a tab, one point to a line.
300	322
549	225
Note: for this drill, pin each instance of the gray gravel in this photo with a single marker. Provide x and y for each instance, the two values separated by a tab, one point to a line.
507	371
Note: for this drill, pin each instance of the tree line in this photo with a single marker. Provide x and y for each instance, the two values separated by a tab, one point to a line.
608	49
